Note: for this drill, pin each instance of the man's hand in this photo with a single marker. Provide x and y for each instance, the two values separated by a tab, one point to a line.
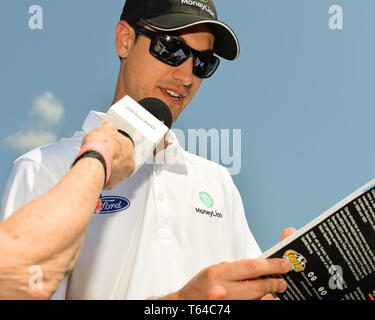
235	281
238	280
120	149
287	232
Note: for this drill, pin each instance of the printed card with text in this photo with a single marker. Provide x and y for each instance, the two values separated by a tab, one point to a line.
333	257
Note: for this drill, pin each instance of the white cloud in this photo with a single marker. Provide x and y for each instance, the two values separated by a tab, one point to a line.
40	131
23	141
48	109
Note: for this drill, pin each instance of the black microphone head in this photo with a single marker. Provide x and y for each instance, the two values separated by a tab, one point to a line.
158	109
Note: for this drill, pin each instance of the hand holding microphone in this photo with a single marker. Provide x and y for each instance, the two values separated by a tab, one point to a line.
145	123
119	150
127	136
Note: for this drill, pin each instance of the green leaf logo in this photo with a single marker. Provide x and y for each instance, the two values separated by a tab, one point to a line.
206	199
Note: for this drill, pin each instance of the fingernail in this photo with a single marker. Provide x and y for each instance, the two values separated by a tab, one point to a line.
282	286
286	266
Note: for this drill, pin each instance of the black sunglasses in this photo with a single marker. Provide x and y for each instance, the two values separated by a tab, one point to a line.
174	52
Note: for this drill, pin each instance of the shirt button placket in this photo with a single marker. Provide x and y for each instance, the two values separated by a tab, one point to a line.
162	212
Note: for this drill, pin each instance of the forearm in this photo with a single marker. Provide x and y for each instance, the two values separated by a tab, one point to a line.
49	231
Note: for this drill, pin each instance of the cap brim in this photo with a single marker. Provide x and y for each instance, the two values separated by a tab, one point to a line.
226	42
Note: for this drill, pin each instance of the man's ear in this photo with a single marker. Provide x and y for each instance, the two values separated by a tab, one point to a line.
125	36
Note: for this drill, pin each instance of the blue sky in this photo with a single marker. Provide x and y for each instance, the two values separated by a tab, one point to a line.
301	93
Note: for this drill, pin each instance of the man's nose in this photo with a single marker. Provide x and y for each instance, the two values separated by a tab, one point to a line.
184	73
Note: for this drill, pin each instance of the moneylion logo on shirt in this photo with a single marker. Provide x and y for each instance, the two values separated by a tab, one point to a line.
206	199
208	202
200	4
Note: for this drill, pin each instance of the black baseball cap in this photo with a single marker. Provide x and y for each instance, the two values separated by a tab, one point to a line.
173	15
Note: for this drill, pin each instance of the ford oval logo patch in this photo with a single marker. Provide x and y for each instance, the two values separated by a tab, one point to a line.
112	204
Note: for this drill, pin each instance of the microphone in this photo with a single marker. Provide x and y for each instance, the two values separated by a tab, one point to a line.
145	123
158	109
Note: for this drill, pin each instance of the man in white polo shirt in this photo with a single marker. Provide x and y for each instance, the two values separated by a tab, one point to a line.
167	230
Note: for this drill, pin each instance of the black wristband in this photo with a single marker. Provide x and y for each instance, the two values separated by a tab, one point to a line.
93	154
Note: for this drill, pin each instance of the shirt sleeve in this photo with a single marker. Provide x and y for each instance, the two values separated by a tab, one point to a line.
28	180
245	245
